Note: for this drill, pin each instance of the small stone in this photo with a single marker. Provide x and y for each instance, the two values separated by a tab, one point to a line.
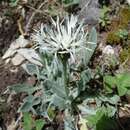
17	59
108	50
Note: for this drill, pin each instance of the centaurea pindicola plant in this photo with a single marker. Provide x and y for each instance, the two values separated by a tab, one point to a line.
65	49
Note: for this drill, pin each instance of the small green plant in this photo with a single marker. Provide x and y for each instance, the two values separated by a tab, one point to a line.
120	36
30	124
14	3
119	81
104	18
122	33
102	120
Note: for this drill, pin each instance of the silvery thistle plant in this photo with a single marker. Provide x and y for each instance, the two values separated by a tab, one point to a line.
69	43
62	45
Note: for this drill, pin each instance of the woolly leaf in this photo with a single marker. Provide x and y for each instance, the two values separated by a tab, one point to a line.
18	88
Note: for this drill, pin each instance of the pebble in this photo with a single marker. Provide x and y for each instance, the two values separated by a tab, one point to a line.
17	59
108	50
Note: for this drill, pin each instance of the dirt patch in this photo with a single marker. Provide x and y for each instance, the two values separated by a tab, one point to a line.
10	75
8	27
8	111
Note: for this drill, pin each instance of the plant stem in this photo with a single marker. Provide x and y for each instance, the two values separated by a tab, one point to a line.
64	62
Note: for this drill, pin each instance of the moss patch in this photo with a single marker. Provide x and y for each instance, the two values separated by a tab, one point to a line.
125	55
121	23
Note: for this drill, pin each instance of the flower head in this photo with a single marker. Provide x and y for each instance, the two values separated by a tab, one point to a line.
66	36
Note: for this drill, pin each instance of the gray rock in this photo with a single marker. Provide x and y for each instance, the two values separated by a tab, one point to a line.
90	11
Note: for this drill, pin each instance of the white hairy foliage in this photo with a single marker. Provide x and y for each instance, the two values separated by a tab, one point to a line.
66	36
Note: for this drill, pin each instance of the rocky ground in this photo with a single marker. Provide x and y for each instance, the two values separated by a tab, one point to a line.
23	18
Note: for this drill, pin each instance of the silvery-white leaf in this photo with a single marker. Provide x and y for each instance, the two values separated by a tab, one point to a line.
29	102
85	78
31	69
30	55
111	99
9	53
58	88
18	88
58	101
20	42
85	110
69	123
